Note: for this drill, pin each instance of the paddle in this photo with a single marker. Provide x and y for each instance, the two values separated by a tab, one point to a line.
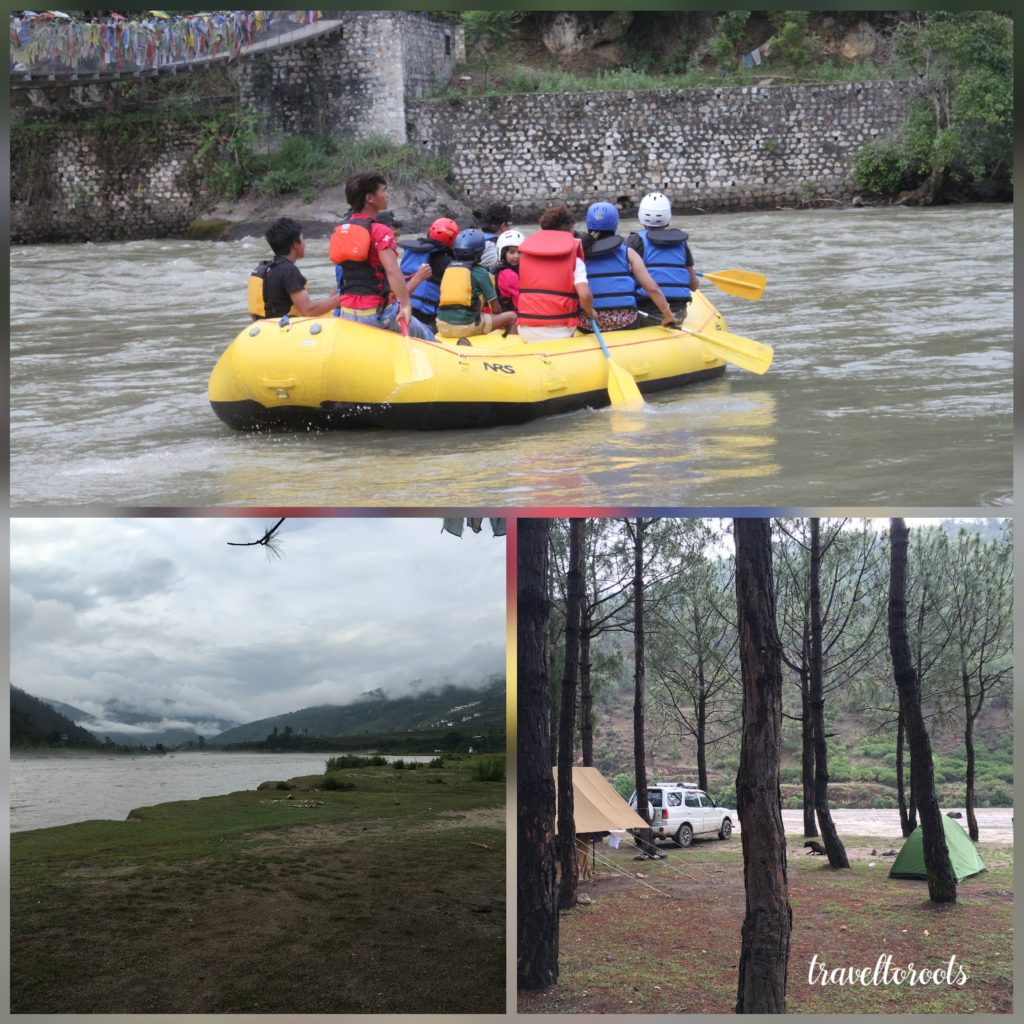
747	284
410	365
622	389
733	348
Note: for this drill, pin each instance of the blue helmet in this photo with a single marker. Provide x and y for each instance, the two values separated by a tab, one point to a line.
602	217
469	244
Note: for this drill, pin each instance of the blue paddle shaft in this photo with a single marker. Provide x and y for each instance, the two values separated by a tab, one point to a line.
597	332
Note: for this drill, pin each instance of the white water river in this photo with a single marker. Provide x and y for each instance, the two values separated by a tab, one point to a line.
892	384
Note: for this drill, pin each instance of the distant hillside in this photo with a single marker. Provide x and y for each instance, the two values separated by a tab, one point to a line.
146	728
67	710
34	722
468	710
861	758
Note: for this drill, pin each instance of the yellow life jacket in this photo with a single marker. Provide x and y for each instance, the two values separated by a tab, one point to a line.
457	287
257	282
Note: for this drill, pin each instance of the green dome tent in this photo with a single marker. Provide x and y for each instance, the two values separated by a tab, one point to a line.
963	857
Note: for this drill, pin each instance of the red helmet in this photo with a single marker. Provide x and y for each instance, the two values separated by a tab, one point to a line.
443	230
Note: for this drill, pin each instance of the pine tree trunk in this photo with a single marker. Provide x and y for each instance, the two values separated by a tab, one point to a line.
834	848
972	818
567	720
646	840
702	749
586	696
537	922
941	881
906	823
807	755
765	935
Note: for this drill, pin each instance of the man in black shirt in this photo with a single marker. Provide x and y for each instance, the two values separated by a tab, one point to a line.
284	285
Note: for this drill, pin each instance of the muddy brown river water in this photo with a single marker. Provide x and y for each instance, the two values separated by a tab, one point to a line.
892	384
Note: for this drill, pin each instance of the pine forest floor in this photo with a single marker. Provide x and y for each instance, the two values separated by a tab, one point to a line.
669	942
386	898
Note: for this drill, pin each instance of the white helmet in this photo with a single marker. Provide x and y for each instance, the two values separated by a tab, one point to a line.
655	210
507	238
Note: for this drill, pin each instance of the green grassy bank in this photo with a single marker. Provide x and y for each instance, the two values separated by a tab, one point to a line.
386	897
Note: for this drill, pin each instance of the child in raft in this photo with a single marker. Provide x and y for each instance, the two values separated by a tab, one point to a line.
466	288
506	270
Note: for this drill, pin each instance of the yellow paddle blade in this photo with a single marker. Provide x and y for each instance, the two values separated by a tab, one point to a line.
734	348
622	388
747	284
411	365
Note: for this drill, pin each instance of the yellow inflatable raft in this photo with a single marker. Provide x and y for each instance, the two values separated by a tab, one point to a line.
329	372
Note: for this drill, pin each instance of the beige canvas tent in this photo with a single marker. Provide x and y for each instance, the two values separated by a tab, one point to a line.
596	806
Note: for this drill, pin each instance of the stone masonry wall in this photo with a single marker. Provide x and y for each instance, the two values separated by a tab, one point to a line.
71	189
709	149
354	81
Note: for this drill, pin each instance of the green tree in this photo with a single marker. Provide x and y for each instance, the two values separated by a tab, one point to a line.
978	616
693	658
730	33
793	42
962	131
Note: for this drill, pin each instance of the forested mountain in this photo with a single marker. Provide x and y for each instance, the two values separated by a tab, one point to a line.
469	710
34	723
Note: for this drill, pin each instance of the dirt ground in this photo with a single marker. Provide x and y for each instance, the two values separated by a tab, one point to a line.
664	936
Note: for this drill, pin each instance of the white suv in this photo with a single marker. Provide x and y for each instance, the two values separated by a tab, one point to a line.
680	811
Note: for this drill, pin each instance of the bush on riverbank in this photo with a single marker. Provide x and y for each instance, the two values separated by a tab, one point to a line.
356	761
304	165
332	782
489	769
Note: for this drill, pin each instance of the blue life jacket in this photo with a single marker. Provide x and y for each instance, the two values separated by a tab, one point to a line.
664	255
608	274
425	298
339	276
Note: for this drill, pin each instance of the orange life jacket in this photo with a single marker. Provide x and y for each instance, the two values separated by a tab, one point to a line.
547	295
350	247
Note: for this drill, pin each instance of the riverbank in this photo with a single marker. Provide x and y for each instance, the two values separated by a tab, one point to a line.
416	205
416	208
326	901
669	942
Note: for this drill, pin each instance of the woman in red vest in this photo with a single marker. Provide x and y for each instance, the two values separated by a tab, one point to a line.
552	280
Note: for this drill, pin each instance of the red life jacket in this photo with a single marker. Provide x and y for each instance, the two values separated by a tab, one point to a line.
547	295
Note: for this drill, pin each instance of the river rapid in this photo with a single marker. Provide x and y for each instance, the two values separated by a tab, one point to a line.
892	384
48	790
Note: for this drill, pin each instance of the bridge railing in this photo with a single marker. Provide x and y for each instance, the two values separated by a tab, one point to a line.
54	45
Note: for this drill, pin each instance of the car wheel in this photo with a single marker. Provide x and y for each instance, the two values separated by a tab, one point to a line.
684	836
726	830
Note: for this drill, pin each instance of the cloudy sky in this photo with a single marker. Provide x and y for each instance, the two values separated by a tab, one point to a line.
163	616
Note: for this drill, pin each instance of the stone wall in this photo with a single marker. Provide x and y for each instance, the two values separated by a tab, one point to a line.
709	149
75	184
355	80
